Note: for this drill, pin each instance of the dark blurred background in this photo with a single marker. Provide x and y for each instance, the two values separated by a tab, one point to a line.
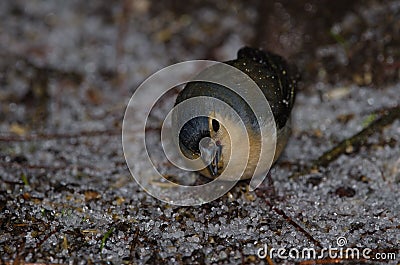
52	51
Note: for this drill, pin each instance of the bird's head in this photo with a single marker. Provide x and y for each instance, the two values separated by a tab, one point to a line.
207	138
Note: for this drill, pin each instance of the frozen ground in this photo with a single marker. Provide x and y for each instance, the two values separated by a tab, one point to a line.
67	71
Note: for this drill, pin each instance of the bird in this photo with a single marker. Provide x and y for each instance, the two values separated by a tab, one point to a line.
278	82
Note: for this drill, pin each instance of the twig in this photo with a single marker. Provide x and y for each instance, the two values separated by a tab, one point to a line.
40	243
289	219
56	136
297	226
48	70
45	137
353	143
47	167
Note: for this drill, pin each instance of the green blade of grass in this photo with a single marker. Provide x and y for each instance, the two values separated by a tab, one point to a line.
24	179
105	238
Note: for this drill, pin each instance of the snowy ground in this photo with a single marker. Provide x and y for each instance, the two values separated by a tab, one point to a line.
69	68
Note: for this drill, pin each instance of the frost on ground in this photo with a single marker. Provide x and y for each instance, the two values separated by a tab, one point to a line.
67	71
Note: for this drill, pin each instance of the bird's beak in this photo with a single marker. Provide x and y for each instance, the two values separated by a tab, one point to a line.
213	167
213	153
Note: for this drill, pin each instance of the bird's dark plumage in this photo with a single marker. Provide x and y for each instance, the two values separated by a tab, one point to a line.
269	71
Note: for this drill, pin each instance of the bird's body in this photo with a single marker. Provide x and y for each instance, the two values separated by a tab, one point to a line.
273	76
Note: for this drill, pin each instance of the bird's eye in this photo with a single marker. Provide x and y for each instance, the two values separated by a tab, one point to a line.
215	125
